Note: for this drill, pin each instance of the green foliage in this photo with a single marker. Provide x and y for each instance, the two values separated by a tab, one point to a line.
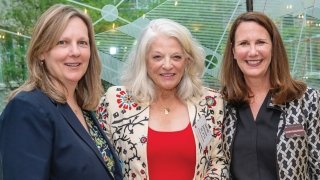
20	17
126	9
13	63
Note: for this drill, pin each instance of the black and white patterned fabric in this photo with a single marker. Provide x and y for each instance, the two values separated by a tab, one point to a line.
298	157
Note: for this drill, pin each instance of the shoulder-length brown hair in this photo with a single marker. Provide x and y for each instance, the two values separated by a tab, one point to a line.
46	33
283	87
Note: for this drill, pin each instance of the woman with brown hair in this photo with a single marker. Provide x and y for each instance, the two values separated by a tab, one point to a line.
272	122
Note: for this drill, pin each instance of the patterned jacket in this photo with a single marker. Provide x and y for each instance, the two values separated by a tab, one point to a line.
126	124
298	156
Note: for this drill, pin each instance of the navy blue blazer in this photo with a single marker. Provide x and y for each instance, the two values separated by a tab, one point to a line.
41	139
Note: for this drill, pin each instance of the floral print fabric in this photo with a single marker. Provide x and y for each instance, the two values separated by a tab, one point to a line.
125	122
100	142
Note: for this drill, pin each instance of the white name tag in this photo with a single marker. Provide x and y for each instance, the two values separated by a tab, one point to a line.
203	132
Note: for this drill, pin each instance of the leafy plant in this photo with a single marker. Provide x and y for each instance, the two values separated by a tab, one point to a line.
13	63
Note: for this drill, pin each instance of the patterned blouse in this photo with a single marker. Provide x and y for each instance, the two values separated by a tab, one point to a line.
125	122
100	142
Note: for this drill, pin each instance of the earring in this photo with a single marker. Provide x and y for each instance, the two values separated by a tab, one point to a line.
42	61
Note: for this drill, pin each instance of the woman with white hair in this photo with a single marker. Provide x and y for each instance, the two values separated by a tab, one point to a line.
163	123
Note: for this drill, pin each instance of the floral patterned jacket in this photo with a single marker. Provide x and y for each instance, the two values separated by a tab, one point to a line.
298	153
126	124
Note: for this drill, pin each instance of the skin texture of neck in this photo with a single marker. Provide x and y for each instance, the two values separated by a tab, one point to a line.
259	90
166	97
258	85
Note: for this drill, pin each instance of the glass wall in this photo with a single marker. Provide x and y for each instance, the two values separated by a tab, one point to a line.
117	24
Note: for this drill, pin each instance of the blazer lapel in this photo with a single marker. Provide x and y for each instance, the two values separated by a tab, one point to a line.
75	124
118	169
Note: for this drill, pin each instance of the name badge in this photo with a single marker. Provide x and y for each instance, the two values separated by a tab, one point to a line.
203	132
294	130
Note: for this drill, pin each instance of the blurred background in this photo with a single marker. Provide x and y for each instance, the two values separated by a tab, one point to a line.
117	24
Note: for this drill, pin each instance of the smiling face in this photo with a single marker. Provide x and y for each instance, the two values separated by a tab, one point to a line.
166	63
252	50
68	60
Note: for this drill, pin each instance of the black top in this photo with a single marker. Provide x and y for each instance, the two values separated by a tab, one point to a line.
254	147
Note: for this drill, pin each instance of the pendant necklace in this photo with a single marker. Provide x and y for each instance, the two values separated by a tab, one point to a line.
165	109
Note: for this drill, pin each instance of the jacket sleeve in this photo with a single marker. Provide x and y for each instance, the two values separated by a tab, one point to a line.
104	116
313	133
217	169
25	141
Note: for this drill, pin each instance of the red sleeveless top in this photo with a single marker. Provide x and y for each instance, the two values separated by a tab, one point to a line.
171	155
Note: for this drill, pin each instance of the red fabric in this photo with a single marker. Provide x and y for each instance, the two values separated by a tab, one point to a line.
171	155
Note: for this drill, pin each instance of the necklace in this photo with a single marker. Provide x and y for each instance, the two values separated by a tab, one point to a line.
166	110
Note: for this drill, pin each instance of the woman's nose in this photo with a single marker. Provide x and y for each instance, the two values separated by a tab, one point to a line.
167	62
75	49
253	50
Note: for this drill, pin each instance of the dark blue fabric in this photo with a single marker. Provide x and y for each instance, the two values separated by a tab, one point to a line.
41	139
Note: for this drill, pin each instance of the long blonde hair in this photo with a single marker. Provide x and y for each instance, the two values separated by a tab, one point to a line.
46	33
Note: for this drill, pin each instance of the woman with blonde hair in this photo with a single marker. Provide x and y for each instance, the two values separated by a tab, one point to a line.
48	129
